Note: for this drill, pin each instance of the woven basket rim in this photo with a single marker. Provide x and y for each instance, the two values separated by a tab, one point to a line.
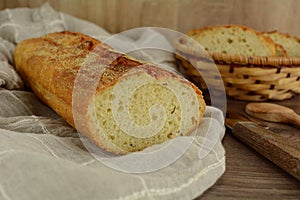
237	59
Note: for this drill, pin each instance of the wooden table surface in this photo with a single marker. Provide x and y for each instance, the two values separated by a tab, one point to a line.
249	175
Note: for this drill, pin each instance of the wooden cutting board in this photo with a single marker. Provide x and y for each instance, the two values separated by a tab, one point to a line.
280	143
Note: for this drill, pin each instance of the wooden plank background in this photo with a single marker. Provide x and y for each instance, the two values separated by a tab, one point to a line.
181	15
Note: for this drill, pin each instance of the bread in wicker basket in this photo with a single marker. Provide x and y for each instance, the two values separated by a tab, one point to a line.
245	77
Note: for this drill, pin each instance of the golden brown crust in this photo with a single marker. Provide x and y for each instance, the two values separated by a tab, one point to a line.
41	61
61	50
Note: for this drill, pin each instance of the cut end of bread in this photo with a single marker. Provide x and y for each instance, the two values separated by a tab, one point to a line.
142	110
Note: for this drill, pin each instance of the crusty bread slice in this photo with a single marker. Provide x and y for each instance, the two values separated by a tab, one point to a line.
134	104
233	39
290	43
280	51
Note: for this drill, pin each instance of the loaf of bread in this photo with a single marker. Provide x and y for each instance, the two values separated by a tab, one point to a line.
233	39
290	43
122	104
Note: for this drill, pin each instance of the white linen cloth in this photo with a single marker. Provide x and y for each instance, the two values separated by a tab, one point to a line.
42	157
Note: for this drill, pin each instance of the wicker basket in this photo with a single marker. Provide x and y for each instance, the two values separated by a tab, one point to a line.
250	78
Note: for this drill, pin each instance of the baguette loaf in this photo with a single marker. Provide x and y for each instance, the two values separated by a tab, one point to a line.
290	43
233	39
134	104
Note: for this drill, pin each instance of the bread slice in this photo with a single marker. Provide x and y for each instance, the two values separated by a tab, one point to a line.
233	39
280	51
122	104
290	43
